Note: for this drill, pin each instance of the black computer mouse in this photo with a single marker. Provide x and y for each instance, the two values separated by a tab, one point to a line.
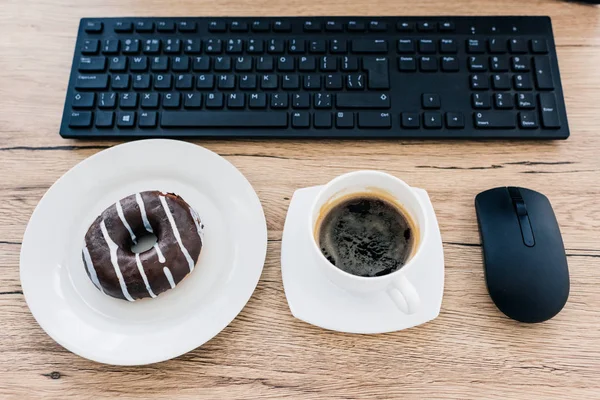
524	257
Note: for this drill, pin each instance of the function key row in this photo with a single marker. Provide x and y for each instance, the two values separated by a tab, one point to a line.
220	26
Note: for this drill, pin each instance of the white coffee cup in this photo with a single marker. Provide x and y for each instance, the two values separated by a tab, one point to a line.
396	284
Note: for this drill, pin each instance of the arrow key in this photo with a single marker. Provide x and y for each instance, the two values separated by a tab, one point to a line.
455	120
410	120
432	120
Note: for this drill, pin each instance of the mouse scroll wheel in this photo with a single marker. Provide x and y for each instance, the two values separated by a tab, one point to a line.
520	207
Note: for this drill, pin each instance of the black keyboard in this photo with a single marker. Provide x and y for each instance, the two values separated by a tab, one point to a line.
336	77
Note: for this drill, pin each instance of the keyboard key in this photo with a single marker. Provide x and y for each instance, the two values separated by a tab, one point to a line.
406	46
217	26
312	26
104	119
477	63
495	120
148	119
432	120
355	82
83	101
128	100
282	26
165	26
138	64
184	82
107	100
118	64
550	118
248	82
322	120
93	27
234	46
290	82
479	82
90	47
312	82
425	26
377	26
356	26
192	100
448	46
238	26
344	120
258	100
504	101
410	120
243	63
234	119
160	64
214	100
192	46
427	46
497	46
327	64
481	101
275	46
222	64
172	46
126	119
227	82
269	82
213	46
455	120
475	46
366	46
171	100
378	120
300	119
80	119
152	46
296	46
201	64
543	76
92	64
446	26
362	100
405	26
350	64
333	82
318	46
525	101
377	72
144	26
499	64
528	120
237	100
407	64
150	100
522	82
428	64
91	82
255	46
264	64
337	46
301	100
279	100
334	26
162	82
130	46
322	100
110	46
187	26
260	26
520	63
180	64
539	46
430	101
450	64
501	82
141	81
517	46
123	27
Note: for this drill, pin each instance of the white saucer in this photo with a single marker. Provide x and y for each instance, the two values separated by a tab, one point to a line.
79	317
313	298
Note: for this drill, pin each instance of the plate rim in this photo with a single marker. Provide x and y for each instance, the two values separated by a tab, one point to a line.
262	234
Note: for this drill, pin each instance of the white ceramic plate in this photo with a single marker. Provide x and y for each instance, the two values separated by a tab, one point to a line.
79	317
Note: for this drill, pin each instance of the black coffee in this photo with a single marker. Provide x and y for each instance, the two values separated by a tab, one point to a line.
366	236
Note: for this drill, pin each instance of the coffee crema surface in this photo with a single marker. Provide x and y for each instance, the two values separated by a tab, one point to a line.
366	235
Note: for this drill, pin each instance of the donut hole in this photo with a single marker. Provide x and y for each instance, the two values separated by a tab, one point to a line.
144	243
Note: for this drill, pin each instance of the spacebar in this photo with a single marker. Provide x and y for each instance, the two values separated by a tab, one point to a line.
201	119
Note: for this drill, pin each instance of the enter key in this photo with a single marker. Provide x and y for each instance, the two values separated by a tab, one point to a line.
377	69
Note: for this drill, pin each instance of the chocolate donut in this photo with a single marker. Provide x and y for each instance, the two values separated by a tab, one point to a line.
119	272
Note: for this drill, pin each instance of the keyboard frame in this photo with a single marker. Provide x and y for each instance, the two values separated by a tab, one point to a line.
529	27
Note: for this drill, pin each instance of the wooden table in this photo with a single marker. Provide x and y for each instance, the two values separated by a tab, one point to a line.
470	351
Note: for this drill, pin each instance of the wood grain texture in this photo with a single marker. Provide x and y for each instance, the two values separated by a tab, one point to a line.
470	351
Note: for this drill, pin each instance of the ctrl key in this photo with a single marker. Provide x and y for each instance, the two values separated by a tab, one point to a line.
379	120
80	119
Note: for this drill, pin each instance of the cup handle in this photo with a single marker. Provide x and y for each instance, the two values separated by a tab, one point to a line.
404	295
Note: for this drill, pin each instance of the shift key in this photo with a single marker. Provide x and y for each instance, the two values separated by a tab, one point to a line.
91	82
362	100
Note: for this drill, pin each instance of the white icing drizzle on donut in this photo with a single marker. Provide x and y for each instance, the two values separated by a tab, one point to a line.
144	277
90	267
196	219
163	201
124	221
140	202
169	277
161	258
113	258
